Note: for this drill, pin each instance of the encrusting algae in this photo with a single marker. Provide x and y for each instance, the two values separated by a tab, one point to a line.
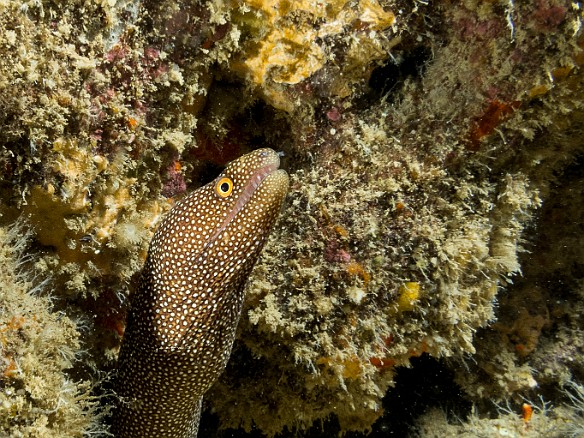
287	44
435	207
38	349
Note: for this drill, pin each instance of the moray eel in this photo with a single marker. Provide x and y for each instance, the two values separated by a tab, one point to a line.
184	313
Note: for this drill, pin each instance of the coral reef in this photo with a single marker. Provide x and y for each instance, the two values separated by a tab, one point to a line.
435	153
543	422
37	348
575	406
536	420
435	189
309	42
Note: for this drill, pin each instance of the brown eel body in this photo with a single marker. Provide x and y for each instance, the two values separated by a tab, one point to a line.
183	316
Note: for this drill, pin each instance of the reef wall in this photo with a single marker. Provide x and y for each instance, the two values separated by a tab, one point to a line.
435	152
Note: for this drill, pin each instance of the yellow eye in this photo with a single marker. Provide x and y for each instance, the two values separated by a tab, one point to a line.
224	187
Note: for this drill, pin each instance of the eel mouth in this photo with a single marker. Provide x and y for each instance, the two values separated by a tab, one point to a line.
251	186
272	160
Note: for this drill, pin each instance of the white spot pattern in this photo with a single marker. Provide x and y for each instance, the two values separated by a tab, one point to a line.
183	316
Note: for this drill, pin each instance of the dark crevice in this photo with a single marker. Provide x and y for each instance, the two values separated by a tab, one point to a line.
426	384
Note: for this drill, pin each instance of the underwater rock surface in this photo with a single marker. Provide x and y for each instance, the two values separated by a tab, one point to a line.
435	211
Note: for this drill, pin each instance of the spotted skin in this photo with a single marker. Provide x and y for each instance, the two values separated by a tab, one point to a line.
183	316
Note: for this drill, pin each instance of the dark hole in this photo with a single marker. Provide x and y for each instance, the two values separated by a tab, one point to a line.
389	77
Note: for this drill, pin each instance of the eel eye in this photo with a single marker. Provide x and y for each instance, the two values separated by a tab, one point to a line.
224	187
